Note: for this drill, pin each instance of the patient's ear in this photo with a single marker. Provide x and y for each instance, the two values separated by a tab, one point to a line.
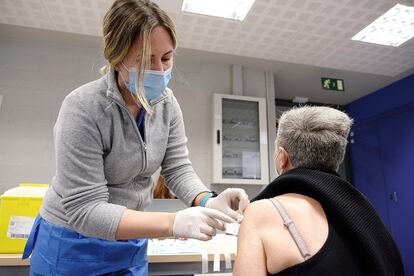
283	160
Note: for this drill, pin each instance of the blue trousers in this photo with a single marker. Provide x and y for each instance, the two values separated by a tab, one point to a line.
60	251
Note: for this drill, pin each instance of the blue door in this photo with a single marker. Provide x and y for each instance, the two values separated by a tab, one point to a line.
382	162
397	140
366	167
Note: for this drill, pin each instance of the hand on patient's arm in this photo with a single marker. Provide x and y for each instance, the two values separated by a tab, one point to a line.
232	202
251	257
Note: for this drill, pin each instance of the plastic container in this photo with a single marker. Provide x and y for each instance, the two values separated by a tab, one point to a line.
18	209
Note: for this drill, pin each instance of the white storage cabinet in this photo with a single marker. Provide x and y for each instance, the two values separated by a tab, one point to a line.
240	140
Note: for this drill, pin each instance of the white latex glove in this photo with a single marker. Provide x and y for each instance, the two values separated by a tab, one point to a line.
231	201
199	223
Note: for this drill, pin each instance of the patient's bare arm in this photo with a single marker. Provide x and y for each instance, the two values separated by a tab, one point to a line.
251	258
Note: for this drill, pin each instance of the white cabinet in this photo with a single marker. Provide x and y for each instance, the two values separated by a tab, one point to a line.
239	140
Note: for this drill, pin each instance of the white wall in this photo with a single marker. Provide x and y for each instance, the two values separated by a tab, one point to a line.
36	74
34	78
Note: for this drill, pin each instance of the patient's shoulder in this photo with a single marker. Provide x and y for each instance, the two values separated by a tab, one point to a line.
306	213
254	210
298	206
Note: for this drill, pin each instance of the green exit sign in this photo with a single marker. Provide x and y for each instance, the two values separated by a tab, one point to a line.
332	84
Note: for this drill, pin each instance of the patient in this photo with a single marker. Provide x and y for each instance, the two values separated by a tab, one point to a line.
309	221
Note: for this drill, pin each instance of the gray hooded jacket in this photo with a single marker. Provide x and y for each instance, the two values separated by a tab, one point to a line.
102	164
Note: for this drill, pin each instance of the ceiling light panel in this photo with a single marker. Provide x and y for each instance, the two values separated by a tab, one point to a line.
230	9
393	28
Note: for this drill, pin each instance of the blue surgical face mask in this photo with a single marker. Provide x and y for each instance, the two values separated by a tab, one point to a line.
132	80
155	82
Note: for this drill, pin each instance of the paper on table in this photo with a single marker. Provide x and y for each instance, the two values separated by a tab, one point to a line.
216	263
174	246
204	262
227	258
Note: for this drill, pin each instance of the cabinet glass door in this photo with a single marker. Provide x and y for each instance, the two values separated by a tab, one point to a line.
241	139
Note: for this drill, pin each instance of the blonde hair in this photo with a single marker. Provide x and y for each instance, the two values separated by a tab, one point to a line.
314	137
126	21
161	190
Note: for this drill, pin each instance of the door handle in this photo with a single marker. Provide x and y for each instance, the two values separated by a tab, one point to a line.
394	197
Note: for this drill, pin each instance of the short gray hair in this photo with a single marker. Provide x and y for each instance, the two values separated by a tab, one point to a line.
314	137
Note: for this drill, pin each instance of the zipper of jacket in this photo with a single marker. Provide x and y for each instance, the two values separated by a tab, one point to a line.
144	145
145	132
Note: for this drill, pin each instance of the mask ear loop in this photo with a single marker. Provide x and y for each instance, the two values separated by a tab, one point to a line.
120	73
122	77
278	152
126	68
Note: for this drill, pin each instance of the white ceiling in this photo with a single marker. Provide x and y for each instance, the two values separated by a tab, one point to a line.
311	32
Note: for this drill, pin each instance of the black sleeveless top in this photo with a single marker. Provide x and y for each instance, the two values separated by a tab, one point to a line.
357	232
334	258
